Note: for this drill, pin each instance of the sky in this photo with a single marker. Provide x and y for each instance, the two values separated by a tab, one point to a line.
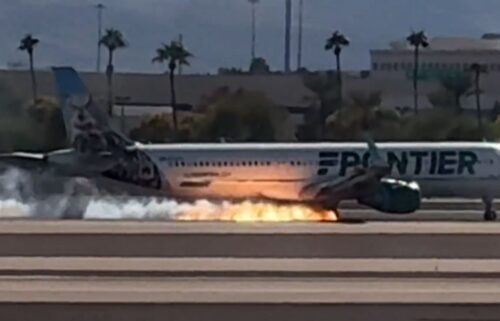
217	32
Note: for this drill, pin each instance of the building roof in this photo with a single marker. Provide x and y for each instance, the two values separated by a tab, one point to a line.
154	89
453	44
286	90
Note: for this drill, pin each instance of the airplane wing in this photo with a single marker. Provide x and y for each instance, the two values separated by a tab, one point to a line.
23	160
63	162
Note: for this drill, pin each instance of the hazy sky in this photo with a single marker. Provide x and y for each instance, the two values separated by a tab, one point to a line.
218	31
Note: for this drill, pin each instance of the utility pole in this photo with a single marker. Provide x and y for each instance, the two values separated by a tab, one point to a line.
288	27
100	7
299	43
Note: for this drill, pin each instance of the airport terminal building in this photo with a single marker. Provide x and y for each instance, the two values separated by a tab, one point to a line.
443	54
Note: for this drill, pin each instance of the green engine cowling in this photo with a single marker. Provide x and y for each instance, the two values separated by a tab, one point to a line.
394	197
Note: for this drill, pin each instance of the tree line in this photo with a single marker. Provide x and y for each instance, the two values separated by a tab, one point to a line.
173	55
334	118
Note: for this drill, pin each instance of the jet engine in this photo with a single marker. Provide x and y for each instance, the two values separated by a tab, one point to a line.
394	197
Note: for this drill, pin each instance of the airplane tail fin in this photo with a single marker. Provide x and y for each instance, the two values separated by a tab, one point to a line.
90	135
87	125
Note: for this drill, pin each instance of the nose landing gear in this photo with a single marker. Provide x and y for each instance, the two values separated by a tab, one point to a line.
489	214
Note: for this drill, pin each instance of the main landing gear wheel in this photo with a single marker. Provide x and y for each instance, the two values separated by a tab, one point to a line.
489	214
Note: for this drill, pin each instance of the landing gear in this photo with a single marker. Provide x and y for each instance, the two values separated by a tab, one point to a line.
489	214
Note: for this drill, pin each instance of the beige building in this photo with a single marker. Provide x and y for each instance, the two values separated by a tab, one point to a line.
444	54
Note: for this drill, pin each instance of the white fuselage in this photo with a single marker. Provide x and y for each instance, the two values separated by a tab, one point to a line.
280	171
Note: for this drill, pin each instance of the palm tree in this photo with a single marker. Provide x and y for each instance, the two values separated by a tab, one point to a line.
365	115
336	42
28	44
113	39
457	85
324	87
175	55
478	69
417	40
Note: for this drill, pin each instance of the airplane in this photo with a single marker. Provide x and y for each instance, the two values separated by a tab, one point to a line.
389	177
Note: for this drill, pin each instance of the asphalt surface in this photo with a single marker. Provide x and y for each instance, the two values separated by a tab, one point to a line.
255	291
112	298
153	270
330	240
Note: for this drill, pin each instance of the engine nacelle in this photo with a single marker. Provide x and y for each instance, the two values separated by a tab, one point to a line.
394	197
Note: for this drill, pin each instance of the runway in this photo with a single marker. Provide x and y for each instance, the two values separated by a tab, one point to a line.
251	291
59	298
294	240
248	289
157	270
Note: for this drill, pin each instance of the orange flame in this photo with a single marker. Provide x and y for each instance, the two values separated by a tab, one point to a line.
258	212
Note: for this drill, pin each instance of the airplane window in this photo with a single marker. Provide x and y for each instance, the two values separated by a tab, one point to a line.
219	164
244	164
176	164
183	164
268	163
299	163
292	163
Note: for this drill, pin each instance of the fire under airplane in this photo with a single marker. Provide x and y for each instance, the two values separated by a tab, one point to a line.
388	177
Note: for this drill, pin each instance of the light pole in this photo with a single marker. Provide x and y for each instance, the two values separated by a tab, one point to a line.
100	7
299	43
253	3
288	27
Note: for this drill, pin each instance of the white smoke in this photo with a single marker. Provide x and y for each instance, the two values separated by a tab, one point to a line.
19	198
132	209
27	195
14	183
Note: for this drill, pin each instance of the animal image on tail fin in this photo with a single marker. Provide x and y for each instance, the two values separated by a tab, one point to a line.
86	124
89	133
